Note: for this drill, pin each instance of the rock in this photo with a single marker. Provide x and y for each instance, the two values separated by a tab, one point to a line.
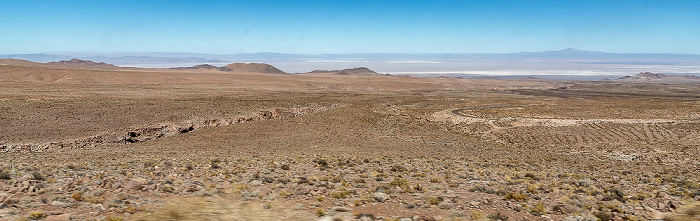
255	183
446	205
268	179
62	217
381	197
410	205
61	204
5	203
341	209
474	203
133	185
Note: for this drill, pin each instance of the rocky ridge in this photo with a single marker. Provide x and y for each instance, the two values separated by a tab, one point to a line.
155	131
648	76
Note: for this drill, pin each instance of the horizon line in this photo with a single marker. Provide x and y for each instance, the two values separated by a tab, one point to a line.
349	53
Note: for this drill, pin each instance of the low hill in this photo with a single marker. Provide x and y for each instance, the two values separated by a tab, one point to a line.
361	71
201	66
660	78
79	62
252	67
17	62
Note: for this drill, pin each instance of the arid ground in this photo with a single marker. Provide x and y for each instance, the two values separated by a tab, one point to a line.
83	142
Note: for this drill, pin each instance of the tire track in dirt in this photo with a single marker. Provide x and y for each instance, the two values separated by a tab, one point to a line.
582	132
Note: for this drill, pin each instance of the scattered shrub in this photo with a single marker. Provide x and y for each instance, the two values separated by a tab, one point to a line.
498	216
284	194
398	168
215	164
434	200
78	196
516	196
320	213
5	175
38	176
167	189
320	198
321	162
476	215
538	209
113	218
37	215
284	167
400	183
340	194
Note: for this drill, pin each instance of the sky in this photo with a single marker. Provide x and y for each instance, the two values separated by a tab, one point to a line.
350	26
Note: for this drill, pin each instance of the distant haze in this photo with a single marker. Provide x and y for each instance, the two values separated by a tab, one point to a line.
566	63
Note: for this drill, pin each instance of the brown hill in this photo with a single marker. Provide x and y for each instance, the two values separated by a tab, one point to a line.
252	67
358	71
79	62
201	66
362	71
18	62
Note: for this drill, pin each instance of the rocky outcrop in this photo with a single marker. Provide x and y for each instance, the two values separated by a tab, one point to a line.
658	76
155	131
252	67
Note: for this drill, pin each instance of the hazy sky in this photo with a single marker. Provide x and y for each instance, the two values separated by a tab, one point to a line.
402	26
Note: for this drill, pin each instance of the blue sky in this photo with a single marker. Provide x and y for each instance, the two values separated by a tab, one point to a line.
315	27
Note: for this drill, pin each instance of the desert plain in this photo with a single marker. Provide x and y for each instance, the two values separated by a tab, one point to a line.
87	141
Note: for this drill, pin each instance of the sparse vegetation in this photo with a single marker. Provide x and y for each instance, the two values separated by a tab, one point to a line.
583	153
5	175
38	176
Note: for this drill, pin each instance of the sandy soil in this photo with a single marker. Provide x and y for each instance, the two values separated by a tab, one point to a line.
320	146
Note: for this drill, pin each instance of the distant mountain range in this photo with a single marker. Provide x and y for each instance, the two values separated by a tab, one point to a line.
117	60
161	57
568	61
